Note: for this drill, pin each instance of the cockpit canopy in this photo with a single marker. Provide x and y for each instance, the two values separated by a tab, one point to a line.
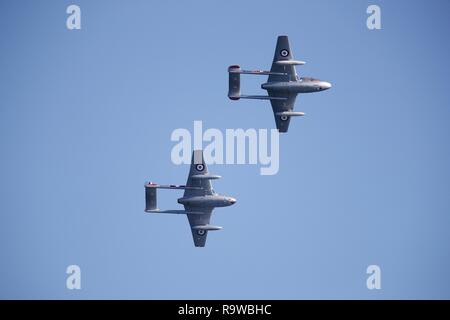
308	79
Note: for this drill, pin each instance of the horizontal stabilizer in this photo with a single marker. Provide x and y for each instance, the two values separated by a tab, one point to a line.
206	176
290	62
290	114
206	227
234	83
150	199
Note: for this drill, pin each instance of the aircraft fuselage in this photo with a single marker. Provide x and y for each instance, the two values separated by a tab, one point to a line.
302	85
207	201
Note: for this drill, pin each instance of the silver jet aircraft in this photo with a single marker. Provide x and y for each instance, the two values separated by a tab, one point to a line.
282	86
199	199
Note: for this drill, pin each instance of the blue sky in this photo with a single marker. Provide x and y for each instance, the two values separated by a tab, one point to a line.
86	118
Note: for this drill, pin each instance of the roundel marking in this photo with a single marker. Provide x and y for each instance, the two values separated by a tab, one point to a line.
199	167
200	232
284	53
284	118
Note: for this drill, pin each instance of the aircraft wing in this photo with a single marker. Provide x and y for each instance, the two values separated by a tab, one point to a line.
200	225
280	106
198	171
283	53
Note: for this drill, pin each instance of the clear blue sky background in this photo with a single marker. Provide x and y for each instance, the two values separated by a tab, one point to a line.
86	118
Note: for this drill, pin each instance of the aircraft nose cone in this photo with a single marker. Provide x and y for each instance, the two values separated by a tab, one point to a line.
326	85
233	200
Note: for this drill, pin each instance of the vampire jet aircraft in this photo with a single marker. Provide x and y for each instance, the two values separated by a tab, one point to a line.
199	199
282	86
